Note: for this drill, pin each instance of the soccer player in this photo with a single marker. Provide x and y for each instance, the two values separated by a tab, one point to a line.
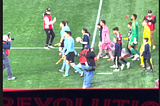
64	28
129	25
69	54
119	36
100	35
146	54
146	34
85	38
134	38
67	27
48	27
151	24
105	40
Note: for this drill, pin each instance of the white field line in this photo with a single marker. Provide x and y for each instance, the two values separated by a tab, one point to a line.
95	30
104	73
38	48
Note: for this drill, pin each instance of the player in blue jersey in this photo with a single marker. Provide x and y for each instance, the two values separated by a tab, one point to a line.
64	28
69	54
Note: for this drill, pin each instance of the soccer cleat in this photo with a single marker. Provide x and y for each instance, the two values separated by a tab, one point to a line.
144	70
102	55
96	58
128	65
131	56
81	74
46	47
106	56
151	70
13	78
154	47
65	75
114	66
122	66
136	57
75	71
110	59
141	65
51	46
61	70
148	68
116	70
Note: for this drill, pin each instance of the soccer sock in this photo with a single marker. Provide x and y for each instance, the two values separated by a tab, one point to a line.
123	60
110	53
151	62
76	68
67	69
64	64
142	63
133	51
106	53
99	54
137	51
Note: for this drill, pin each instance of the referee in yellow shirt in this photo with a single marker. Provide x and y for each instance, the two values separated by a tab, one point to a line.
146	34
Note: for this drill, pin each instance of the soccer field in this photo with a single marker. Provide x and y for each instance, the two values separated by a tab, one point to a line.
36	68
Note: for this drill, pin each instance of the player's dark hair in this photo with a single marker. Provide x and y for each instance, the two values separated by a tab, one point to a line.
103	21
146	21
64	23
86	31
68	32
146	39
99	24
116	28
130	23
135	16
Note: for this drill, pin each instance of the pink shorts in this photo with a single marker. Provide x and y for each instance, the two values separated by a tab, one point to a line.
104	46
107	46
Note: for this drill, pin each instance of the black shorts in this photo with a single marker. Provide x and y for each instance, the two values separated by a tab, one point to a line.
70	57
62	44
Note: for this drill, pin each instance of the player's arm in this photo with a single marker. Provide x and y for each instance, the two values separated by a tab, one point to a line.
62	38
49	22
145	18
84	41
154	20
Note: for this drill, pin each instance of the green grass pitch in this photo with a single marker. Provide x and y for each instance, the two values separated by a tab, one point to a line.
36	68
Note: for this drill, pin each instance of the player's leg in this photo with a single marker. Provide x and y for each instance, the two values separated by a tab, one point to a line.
148	60
52	37
48	37
72	55
129	51
152	38
141	57
101	50
63	65
144	60
136	49
67	66
116	63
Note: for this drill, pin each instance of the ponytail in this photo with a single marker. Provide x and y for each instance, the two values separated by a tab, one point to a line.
86	31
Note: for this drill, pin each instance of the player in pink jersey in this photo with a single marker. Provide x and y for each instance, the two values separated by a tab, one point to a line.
105	44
